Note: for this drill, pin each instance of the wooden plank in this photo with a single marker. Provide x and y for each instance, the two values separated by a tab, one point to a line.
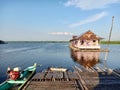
72	75
42	75
82	82
49	75
38	76
58	75
65	76
63	85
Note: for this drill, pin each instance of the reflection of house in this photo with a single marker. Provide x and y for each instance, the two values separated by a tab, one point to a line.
86	59
87	40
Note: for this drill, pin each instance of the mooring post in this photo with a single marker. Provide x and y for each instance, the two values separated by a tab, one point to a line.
106	53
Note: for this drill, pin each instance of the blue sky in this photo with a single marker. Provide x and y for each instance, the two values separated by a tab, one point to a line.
40	20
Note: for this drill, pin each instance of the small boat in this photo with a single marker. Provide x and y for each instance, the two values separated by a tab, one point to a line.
19	82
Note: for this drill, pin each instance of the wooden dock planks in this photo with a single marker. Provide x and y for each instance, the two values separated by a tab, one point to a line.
74	80
100	80
64	85
53	80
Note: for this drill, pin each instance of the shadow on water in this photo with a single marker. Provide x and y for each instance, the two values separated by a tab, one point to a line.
107	81
100	78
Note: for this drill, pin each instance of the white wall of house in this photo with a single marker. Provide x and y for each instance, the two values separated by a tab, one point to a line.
86	44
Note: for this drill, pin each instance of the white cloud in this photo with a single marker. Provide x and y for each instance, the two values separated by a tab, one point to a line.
60	33
89	20
90	4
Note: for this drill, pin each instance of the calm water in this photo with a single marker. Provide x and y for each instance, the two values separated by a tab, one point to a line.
51	54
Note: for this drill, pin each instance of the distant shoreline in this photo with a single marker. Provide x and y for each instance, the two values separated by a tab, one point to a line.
111	42
39	41
102	42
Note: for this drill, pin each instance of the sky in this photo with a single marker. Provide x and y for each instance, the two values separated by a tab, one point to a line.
57	20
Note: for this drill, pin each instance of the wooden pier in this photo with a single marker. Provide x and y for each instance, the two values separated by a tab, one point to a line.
80	79
54	80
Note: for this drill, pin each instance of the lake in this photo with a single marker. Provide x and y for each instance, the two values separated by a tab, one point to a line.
52	54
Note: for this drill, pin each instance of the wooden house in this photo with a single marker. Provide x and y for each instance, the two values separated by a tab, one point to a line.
87	41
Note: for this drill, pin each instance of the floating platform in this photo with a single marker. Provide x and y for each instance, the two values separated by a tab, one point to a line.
87	50
79	79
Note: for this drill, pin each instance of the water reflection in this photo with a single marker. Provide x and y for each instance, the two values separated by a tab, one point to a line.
86	59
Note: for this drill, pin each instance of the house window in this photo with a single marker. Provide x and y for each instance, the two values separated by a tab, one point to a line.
94	40
82	42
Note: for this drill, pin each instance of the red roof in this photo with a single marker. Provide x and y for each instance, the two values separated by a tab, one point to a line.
89	35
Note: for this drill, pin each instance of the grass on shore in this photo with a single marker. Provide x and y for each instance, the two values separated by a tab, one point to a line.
111	42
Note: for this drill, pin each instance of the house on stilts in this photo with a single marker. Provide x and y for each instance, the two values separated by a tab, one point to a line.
87	41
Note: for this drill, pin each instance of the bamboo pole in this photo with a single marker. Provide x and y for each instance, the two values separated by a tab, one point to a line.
106	54
110	33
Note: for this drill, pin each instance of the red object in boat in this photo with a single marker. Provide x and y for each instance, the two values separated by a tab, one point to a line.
14	75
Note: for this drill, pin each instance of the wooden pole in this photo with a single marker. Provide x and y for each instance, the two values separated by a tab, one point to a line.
106	54
110	33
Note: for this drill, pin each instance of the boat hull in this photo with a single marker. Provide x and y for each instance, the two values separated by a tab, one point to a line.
25	76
